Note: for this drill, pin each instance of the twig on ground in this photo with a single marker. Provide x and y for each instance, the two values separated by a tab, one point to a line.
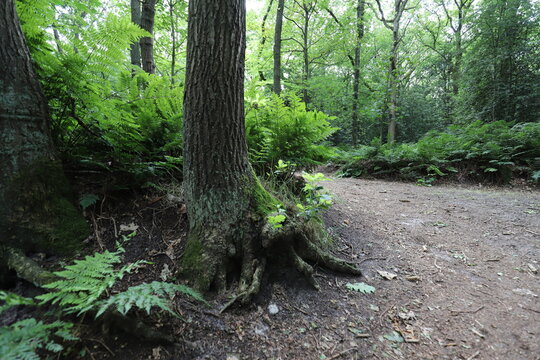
474	355
341	353
104	345
373	258
455	312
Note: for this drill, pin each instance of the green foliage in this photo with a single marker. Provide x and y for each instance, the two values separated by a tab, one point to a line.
88	200
146	296
10	299
315	199
280	128
491	152
360	287
21	340
83	283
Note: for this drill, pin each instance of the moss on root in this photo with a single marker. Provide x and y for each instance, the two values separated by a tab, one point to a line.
39	214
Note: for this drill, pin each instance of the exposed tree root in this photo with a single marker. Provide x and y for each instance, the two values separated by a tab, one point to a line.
295	243
25	267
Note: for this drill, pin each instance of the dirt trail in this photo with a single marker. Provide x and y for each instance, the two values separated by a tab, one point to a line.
471	258
466	282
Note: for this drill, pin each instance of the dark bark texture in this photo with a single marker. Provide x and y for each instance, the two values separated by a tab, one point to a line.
147	43
135	52
355	129
217	173
34	206
277	46
227	205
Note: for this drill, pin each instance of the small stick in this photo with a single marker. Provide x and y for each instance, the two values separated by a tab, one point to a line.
369	259
474	355
104	345
532	232
466	311
341	353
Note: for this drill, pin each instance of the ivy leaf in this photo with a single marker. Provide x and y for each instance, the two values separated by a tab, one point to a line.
360	287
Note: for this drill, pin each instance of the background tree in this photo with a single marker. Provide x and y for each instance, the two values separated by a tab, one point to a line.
147	42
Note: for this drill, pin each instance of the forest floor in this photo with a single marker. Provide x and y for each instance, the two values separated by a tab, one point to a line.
455	272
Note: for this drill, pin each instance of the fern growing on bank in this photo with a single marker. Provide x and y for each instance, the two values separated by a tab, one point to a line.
21	340
82	288
83	283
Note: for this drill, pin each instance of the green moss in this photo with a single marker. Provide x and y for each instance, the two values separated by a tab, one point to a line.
41	215
264	201
192	264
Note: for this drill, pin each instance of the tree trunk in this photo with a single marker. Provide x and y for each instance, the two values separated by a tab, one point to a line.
147	43
34	209
173	40
391	138
355	129
227	205
277	46
136	19
305	53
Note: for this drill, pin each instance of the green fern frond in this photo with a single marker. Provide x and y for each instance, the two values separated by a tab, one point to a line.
83	283
10	299
146	296
20	340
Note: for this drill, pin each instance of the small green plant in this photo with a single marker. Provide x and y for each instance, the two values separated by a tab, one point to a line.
315	198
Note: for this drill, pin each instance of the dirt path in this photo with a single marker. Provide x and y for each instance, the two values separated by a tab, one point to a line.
471	258
466	282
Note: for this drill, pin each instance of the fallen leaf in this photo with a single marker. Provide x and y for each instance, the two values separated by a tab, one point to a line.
129	227
360	287
387	275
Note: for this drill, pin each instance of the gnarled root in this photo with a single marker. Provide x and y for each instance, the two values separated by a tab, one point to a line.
294	242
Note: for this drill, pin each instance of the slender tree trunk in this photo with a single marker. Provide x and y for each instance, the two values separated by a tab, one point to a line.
355	129
34	210
173	40
305	53
277	46
147	43
136	19
391	138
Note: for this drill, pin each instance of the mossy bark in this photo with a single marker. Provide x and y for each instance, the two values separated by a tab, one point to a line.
36	210
227	206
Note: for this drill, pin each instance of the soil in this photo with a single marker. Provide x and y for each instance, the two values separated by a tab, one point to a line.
454	271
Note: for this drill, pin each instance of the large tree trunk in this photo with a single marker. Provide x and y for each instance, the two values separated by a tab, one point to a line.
227	206
35	212
136	19
277	47
147	42
355	129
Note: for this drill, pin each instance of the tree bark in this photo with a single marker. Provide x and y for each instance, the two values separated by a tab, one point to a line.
355	129
227	205
147	42
34	208
136	19
277	46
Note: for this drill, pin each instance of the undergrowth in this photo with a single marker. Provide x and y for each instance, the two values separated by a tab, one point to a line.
83	287
494	152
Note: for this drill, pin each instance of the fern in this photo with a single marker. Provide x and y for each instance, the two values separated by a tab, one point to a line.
10	299
20	340
83	283
146	296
